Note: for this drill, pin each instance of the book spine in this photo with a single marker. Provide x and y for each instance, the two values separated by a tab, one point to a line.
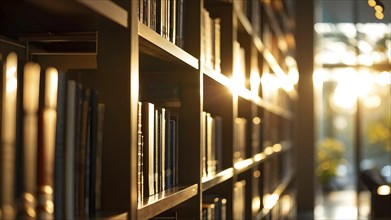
149	139
78	159
168	153
69	209
47	146
98	160
217	44
156	152
139	153
7	160
30	106
173	23
93	138
81	186
59	149
179	26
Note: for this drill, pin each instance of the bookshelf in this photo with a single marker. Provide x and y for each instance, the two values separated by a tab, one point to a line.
219	70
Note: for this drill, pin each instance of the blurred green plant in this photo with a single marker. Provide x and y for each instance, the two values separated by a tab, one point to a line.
330	153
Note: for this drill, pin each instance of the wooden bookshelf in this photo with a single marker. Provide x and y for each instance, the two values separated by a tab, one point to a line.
104	45
165	200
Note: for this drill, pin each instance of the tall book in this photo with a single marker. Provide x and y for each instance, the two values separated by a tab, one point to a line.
77	157
217	44
69	208
7	156
239	196
148	121
203	144
218	142
46	145
31	77
161	148
98	160
93	148
59	149
179	24
173	23
140	141
81	166
168	178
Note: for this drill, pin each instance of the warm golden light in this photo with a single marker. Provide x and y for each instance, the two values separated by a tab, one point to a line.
268	151
259	157
257	120
51	84
378	8
257	174
384	78
256	203
372	3
379	15
277	147
242	164
383	190
31	86
270	200
255	81
10	83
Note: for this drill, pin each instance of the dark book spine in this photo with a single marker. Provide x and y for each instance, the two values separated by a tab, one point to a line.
81	172
179	25
99	146
78	159
173	23
159	24
93	137
59	150
156	152
168	153
69	179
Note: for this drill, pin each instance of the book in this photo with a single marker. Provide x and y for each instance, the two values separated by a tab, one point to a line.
69	178
238	199
179	24
31	76
219	203
46	144
162	148
173	23
239	139
98	156
94	102
218	142
217	44
148	121
59	149
7	166
140	142
82	166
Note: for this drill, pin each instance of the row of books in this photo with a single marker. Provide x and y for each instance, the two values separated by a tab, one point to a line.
239	66
211	144
214	207
157	149
51	144
239	199
211	41
165	17
239	142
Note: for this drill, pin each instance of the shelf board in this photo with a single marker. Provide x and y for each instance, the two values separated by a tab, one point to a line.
217	179
217	76
244	165
277	193
108	9
155	45
107	215
273	108
165	200
244	23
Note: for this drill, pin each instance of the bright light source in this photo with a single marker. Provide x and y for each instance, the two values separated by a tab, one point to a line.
372	102
379	15
383	190
371	3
